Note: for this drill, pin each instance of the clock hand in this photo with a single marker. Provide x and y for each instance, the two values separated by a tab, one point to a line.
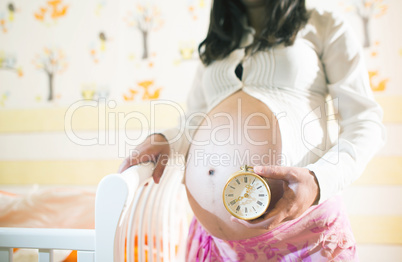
249	190
239	198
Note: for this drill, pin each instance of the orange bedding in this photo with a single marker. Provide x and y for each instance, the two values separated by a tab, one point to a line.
54	207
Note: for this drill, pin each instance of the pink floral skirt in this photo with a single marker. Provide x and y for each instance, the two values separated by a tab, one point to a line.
322	233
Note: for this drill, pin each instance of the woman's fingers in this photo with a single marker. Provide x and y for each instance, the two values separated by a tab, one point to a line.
137	156
276	172
148	151
300	191
280	213
162	160
268	221
160	167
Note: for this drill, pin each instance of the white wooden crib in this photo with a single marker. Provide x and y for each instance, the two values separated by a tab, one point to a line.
135	219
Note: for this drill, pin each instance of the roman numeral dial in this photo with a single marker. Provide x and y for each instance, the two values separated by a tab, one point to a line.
246	195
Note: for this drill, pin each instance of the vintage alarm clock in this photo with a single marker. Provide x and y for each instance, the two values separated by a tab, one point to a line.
246	195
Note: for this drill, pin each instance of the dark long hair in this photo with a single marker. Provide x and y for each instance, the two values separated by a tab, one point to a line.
284	19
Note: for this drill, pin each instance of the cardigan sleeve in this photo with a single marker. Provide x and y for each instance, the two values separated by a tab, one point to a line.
361	132
180	137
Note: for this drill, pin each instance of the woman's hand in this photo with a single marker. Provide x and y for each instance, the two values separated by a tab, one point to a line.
300	192
155	148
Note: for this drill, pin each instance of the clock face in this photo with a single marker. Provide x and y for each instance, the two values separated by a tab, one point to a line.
246	196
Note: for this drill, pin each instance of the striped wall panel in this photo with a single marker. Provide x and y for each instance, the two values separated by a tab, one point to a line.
91	115
36	150
71	171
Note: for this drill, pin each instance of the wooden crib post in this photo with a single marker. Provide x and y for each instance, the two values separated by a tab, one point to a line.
116	194
113	196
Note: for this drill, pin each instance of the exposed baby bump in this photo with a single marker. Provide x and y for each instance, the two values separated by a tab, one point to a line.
239	131
210	164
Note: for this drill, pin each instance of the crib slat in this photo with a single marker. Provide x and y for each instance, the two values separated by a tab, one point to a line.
6	254
45	255
85	256
142	213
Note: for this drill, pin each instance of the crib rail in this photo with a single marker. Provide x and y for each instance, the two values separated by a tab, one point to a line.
47	240
70	239
135	220
153	225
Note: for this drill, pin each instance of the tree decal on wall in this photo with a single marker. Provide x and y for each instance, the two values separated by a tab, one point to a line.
7	18
377	82
52	62
146	86
366	10
53	10
131	95
377	85
3	98
143	87
9	62
186	52
187	49
93	91
145	18
194	7
100	6
98	48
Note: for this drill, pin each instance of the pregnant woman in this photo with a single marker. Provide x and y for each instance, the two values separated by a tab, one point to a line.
259	99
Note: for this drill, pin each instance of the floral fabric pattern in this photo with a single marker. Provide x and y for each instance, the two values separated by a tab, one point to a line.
322	233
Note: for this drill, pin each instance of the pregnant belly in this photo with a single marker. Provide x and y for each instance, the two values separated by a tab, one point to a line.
241	130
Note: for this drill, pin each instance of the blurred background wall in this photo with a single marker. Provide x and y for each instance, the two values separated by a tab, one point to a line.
80	81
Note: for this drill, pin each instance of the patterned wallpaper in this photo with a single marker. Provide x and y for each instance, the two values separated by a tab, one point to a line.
55	52
376	23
